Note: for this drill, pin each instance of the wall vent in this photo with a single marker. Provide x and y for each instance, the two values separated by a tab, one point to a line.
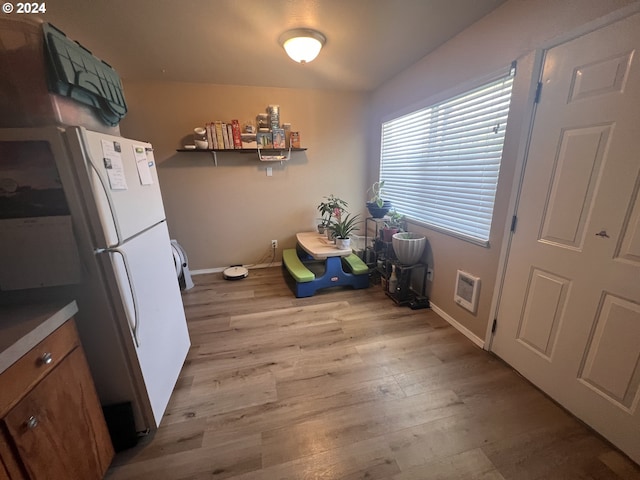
467	290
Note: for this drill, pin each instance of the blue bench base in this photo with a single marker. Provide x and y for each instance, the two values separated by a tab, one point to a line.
333	276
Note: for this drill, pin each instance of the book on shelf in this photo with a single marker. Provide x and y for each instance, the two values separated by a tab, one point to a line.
219	136
210	136
230	134
225	135
236	134
214	137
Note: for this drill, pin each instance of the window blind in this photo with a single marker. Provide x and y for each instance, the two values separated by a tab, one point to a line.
440	164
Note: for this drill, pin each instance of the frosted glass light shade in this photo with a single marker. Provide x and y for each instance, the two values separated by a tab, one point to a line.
302	44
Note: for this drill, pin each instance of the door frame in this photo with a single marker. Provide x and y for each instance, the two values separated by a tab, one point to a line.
531	65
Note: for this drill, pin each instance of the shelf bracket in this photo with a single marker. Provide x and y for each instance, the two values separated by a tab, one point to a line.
215	157
275	158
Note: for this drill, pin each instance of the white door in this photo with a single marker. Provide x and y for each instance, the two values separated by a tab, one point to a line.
146	277
569	316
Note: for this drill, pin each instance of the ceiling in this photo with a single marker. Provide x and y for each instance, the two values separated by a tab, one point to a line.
236	41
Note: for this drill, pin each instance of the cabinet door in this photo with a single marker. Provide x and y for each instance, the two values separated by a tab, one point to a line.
3	472
58	428
10	466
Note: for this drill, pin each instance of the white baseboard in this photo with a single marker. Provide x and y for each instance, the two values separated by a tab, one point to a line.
458	326
204	271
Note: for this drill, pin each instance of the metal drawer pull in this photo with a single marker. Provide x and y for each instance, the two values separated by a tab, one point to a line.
602	233
32	422
46	358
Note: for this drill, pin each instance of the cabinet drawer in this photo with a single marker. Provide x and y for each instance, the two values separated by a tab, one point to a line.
34	365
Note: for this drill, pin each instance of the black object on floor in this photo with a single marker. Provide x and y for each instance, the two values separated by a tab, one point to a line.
121	425
418	303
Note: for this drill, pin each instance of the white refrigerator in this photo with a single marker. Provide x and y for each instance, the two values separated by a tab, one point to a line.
131	318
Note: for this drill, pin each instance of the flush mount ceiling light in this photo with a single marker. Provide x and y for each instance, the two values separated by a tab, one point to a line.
302	44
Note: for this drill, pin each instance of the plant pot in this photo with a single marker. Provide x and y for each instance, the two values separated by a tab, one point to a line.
321	229
343	243
378	212
388	233
408	247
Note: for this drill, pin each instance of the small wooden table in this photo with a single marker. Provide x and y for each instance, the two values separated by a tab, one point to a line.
318	247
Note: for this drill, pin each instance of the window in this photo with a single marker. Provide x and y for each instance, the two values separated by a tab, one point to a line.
440	164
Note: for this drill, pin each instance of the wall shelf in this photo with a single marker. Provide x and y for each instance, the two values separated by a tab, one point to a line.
264	154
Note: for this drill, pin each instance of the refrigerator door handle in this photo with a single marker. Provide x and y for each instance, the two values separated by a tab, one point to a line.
136	316
111	209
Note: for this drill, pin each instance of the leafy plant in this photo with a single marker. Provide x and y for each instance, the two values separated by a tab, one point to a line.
345	226
331	207
395	220
376	192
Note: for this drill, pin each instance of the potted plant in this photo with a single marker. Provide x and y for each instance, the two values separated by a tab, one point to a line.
393	224
377	207
408	247
332	206
342	228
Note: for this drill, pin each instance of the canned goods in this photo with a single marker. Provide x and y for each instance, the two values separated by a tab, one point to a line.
274	116
262	121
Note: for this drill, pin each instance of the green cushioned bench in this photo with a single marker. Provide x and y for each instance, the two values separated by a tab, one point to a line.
296	268
357	266
355	273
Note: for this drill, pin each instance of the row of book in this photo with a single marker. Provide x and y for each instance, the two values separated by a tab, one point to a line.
222	135
228	136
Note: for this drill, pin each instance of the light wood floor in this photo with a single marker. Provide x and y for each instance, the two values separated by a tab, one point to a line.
347	385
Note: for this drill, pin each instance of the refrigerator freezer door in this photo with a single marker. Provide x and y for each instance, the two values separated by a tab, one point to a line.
146	278
124	183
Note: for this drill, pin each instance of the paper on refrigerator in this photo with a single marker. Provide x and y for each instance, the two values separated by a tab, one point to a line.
112	158
143	164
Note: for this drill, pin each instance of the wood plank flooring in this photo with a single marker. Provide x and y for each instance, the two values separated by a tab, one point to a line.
347	385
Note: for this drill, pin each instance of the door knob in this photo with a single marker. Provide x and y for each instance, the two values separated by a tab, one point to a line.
32	422
602	233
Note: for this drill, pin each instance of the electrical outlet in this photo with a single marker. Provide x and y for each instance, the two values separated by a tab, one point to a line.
430	274
274	243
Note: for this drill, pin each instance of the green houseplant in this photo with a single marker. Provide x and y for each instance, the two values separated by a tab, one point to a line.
393	224
377	207
394	220
331	207
342	228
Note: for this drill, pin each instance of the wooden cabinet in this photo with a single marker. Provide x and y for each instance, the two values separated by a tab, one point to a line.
4	475
52	424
